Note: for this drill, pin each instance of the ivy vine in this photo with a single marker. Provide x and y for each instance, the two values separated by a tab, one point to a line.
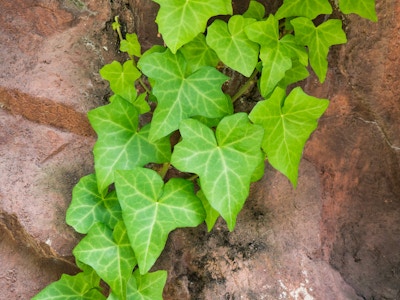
128	207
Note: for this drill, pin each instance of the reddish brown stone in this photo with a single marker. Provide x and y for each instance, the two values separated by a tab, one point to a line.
356	150
335	237
40	165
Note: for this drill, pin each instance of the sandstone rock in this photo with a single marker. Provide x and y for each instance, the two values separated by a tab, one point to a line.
40	165
336	236
50	55
269	255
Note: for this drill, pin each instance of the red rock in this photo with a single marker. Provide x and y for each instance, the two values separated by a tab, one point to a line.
335	237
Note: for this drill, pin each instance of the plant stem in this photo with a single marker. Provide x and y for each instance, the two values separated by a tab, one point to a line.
118	28
245	87
144	86
164	169
193	177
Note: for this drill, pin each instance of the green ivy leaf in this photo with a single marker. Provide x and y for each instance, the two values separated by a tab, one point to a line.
121	78
232	45
139	103
276	54
303	8
211	214
295	74
88	206
148	286
131	45
319	39
363	8
255	11
78	287
110	254
181	95
152	210
225	162
259	170
120	146
198	54
288	123
181	21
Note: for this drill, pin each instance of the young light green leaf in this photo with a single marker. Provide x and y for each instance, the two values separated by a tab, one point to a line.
77	287
211	214
152	210
120	146
181	95
319	39
198	54
295	74
131	45
224	162
181	21
304	8
109	254
363	8
139	103
276	54
287	124
88	206
232	45
121	78
255	11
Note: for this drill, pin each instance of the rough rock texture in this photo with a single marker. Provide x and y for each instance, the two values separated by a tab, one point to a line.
357	152
269	255
337	236
50	53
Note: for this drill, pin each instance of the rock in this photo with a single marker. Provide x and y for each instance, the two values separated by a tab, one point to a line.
40	166
50	50
50	55
269	255
334	237
356	150
24	271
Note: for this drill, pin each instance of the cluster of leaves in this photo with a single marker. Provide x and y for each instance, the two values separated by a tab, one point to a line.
126	209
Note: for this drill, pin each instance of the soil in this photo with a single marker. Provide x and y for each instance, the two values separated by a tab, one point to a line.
336	236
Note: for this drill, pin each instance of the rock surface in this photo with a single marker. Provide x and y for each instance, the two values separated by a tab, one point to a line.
336	236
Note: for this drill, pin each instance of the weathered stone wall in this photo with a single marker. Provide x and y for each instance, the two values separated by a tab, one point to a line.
336	236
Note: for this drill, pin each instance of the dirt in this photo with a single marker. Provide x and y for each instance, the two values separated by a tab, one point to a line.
336	236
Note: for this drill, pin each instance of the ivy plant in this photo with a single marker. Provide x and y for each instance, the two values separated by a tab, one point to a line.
128	207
